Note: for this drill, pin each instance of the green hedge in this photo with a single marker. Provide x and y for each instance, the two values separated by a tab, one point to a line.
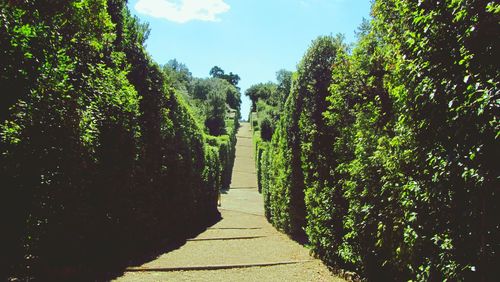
226	148
394	146
99	159
259	149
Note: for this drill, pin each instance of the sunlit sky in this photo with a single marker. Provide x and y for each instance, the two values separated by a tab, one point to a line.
252	38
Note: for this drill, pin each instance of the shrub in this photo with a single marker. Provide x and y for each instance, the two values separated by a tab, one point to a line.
99	158
266	130
394	145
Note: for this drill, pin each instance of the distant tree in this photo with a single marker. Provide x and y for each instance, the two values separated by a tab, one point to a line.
200	88
215	95
363	29
261	91
217	72
284	79
178	74
232	78
215	114
233	97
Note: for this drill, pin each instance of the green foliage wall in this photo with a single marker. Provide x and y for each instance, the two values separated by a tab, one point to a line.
226	147
99	158
393	146
279	175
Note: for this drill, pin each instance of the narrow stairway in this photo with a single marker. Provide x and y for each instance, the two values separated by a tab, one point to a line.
243	246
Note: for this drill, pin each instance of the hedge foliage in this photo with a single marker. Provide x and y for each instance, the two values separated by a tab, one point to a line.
387	153
100	158
226	147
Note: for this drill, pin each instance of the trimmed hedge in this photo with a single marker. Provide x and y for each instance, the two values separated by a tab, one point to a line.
99	159
393	147
226	148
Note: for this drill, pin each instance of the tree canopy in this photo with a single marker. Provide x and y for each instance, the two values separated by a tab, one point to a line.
232	78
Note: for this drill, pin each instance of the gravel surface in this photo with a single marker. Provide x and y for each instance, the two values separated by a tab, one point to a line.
242	237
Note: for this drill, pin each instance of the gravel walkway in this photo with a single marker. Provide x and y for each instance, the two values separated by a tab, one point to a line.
243	246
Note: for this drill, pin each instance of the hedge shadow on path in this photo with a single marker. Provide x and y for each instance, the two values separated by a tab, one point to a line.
157	249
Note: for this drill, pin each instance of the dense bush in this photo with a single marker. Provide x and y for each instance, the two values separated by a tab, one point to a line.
262	91
100	159
226	145
266	130
280	178
393	146
216	104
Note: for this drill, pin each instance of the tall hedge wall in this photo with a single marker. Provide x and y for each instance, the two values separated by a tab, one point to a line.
99	159
226	147
393	146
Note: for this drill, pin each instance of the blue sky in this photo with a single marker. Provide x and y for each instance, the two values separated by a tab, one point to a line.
252	38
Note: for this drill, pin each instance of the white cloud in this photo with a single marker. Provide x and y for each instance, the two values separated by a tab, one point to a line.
182	11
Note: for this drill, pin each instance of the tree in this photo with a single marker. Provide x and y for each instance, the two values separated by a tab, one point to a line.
284	79
261	91
232	78
233	97
179	74
200	88
215	114
214	94
217	72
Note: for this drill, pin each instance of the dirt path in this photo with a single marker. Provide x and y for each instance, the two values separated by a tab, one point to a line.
243	246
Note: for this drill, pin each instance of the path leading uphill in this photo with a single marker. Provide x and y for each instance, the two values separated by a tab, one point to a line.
243	246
